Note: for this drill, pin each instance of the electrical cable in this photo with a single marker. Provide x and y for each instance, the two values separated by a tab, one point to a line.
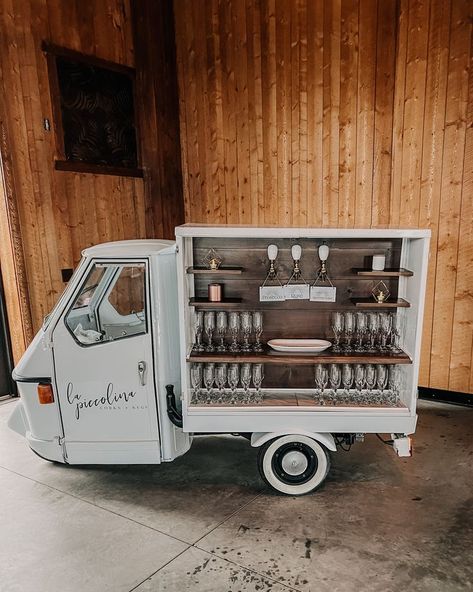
387	442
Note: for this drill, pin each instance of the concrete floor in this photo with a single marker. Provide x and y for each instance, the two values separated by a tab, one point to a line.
206	522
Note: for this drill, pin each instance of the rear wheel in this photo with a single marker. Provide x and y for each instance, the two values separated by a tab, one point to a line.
294	465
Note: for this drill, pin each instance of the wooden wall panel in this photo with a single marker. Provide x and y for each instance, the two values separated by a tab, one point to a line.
60	213
339	113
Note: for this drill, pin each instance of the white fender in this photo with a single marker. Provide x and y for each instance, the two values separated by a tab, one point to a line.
325	438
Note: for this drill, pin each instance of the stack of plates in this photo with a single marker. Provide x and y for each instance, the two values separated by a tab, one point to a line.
299	346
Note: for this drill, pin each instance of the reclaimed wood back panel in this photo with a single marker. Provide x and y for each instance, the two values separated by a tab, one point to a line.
340	113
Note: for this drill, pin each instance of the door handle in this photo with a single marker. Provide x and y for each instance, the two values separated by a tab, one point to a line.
142	372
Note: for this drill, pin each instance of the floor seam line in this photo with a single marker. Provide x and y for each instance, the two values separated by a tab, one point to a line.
158	570
99	507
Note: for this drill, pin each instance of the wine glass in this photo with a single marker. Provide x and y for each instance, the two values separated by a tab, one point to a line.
349	330
361	329
394	380
381	382
373	328
233	377
221	330
337	328
258	376
384	328
220	380
347	380
258	329
245	378
209	326
359	381
198	329
335	378
209	377
196	382
246	328
321	380
370	380
395	335
234	326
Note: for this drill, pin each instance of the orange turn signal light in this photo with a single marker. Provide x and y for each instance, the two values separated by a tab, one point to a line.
45	394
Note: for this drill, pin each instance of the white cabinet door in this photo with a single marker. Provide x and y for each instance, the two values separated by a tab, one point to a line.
104	369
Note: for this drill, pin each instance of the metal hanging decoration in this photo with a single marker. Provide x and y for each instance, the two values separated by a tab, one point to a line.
212	260
380	292
322	290
272	289
296	287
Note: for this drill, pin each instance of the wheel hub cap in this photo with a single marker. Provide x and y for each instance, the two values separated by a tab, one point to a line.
294	463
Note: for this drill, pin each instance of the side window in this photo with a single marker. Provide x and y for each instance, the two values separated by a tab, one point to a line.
110	304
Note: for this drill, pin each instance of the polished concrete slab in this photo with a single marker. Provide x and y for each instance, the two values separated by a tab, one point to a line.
206	522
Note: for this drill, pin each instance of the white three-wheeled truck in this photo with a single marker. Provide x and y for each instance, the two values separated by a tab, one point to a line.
114	376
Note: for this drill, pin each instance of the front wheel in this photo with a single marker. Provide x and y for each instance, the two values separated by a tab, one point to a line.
294	465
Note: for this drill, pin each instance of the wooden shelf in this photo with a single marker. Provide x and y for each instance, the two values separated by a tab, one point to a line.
219	271
204	303
370	303
390	272
269	356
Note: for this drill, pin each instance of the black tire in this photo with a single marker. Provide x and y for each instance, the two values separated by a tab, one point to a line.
293	464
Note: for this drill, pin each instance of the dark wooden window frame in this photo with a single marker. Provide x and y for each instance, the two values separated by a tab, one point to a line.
61	164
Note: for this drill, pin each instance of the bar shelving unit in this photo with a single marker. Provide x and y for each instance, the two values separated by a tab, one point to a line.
289	386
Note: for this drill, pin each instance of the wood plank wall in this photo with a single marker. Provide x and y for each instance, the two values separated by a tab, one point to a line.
343	113
61	213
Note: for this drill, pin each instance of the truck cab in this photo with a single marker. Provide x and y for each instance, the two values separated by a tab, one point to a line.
92	382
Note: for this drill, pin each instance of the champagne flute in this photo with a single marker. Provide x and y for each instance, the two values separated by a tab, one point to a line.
209	326
233	377
234	326
337	328
209	377
384	329
258	329
196	382
349	318
258	376
381	382
347	380
394	380
198	329
321	380
220	380
335	378
246	328
361	329
370	379
245	378
395	335
373	328
221	330
359	381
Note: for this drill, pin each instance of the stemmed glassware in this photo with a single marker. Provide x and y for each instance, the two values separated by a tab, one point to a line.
258	329
198	329
196	382
381	381
245	378
321	381
220	380
393	385
347	380
209	377
209	326
361	329
373	327
234	326
337	328
335	378
359	381
221	330
246	328
370	381
385	321
395	336
349	318
233	377
258	376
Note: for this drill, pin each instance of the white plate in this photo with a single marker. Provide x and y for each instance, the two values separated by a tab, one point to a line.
297	346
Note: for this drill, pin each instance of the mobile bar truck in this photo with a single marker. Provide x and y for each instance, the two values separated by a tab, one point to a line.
300	339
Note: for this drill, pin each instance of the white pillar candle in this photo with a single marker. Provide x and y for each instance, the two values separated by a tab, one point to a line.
378	262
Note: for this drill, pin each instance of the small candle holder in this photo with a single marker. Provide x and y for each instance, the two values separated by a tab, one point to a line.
380	292
212	260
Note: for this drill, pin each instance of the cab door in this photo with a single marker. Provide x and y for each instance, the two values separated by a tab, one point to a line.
104	375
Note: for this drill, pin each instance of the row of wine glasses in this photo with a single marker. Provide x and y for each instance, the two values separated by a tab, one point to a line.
208	383
236	324
357	384
368	332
